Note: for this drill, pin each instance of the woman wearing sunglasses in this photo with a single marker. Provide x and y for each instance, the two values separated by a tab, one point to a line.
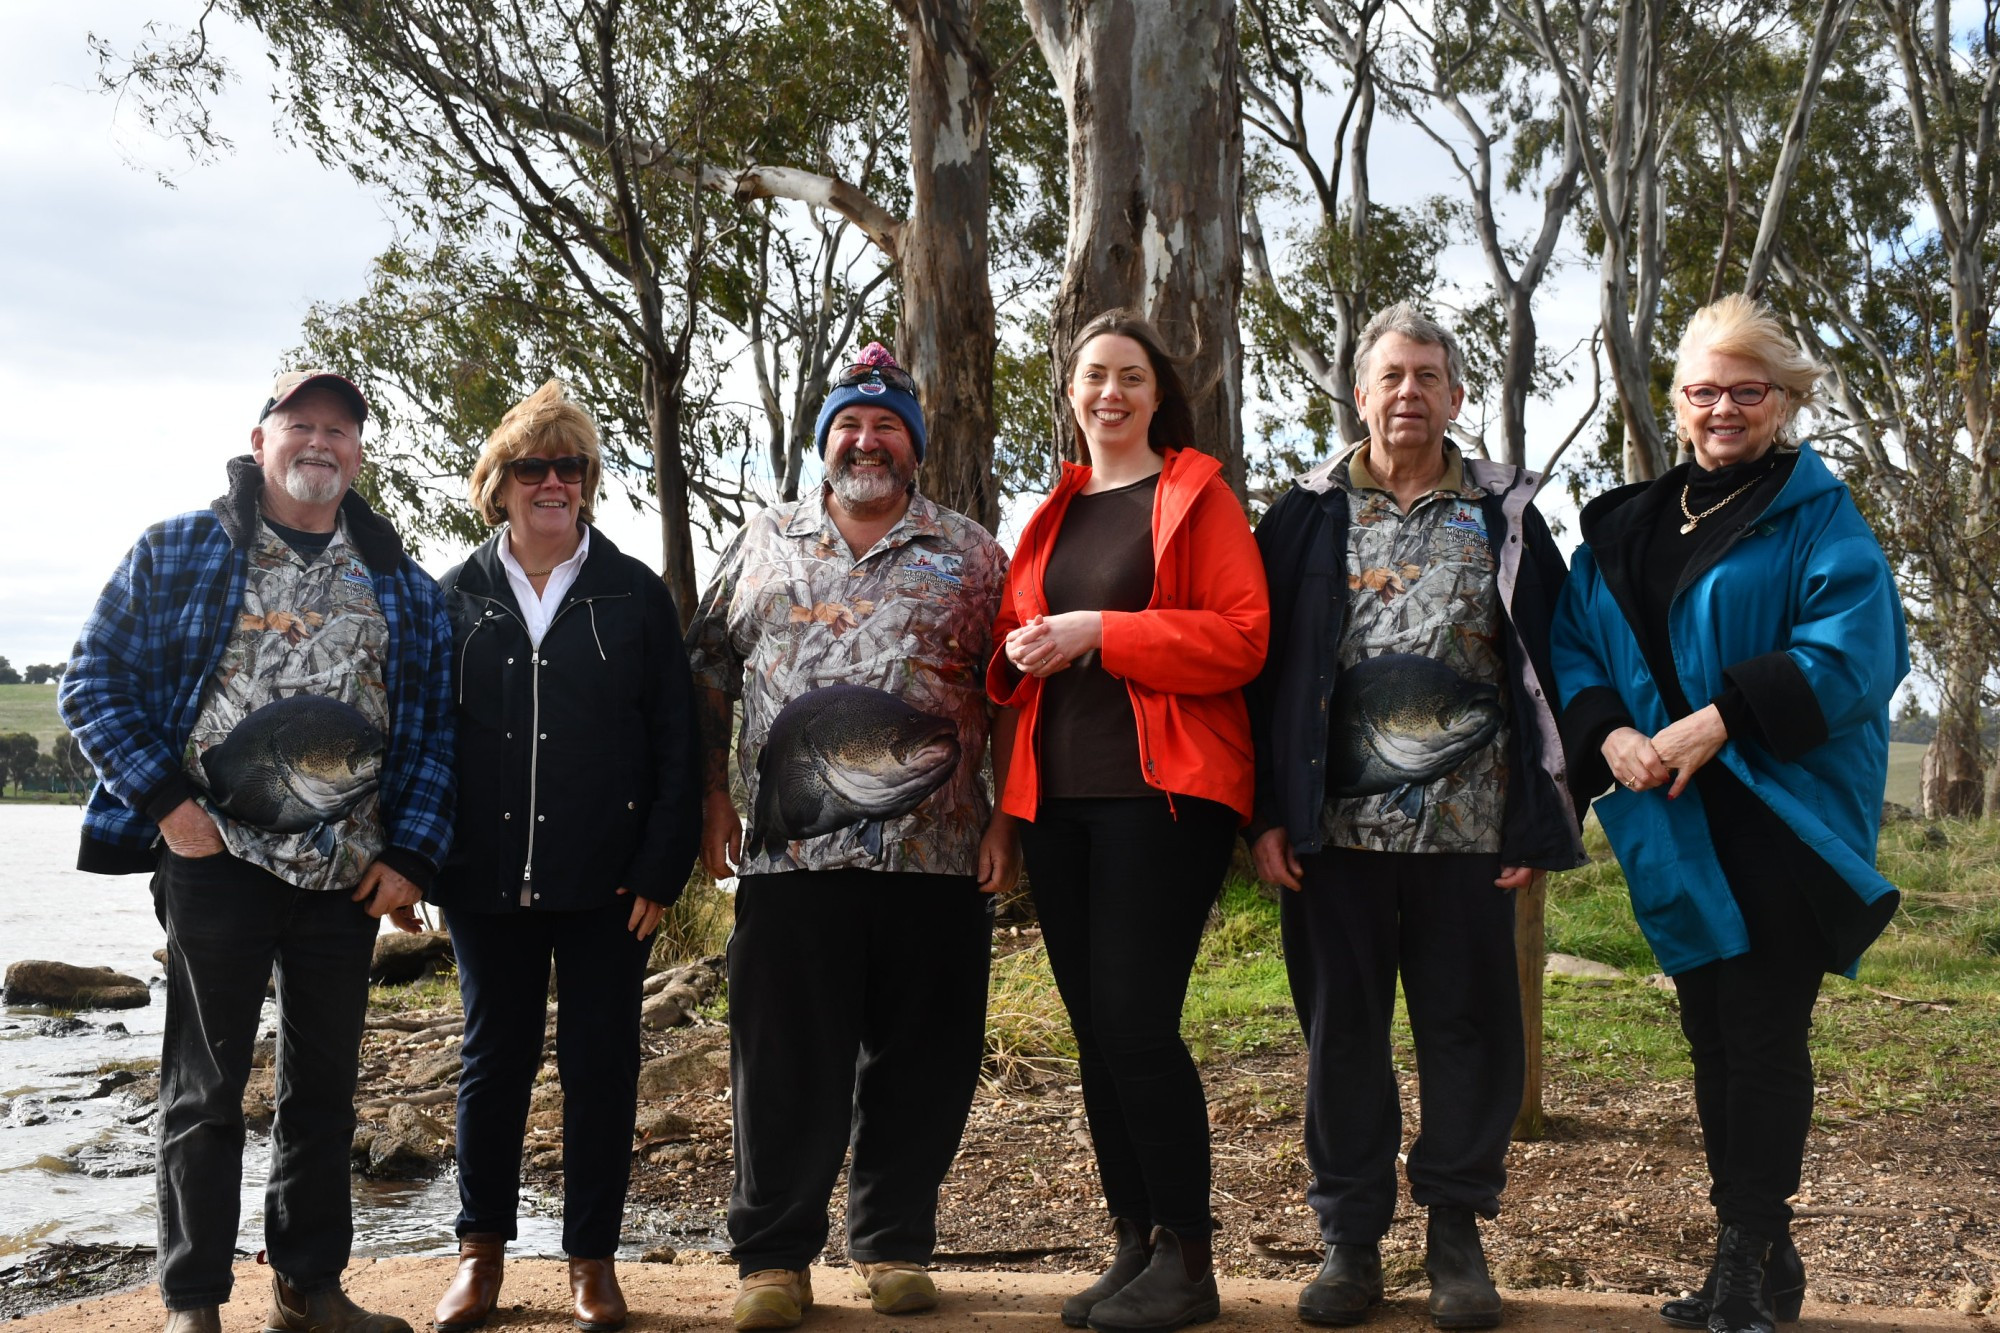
1726	647
1135	612
578	819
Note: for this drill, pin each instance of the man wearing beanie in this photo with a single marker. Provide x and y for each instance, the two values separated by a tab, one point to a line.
854	626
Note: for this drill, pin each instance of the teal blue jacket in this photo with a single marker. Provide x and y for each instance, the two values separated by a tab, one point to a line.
1800	607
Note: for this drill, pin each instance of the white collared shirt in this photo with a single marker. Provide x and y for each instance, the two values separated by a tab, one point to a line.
538	610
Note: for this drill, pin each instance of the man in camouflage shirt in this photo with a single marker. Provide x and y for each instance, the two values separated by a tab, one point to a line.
855	626
264	691
1409	777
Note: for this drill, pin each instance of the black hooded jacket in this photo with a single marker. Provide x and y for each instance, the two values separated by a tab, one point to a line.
577	762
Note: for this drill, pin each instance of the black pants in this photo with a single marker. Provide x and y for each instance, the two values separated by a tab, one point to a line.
228	924
1362	917
1748	1020
1123	888
857	1019
503	975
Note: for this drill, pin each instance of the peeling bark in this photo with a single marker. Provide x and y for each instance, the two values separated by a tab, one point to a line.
1156	164
946	339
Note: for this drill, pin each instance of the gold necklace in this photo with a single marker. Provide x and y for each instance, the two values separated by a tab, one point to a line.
1694	518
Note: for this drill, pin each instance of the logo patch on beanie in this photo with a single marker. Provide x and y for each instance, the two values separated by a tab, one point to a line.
873	387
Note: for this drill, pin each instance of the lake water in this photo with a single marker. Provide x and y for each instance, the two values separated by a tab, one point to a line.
61	1159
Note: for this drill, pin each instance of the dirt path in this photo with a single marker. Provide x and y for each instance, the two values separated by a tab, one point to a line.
696	1296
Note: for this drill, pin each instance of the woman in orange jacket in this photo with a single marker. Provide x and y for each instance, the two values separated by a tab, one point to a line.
1134	613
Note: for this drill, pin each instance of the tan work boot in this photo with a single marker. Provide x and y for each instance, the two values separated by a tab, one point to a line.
203	1319
895	1287
327	1311
774	1298
475	1287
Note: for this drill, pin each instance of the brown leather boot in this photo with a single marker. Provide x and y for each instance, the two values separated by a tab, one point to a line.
593	1287
476	1286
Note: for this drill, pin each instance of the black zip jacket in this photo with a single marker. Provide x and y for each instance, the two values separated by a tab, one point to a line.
1303	538
577	764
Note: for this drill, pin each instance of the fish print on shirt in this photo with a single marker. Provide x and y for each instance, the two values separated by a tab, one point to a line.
294	723
1416	740
851	672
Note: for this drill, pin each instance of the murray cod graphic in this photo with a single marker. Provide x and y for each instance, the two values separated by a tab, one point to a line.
1401	721
295	764
843	755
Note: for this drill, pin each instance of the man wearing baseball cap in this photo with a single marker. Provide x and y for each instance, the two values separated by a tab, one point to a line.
264	690
854	625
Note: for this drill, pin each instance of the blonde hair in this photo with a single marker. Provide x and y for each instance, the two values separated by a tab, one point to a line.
549	423
1738	326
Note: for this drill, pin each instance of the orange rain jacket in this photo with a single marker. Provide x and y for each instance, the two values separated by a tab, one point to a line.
1184	659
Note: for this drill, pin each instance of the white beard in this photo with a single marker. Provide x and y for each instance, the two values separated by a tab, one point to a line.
867	486
312	488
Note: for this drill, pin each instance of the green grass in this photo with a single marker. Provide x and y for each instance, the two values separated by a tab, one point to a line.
1906	763
30	708
1933	1039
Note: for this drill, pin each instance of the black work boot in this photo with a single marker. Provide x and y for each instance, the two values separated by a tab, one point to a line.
1462	1292
326	1311
1349	1281
1784	1288
1127	1262
1740	1303
1177	1289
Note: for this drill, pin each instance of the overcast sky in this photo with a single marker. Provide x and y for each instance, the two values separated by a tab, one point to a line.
140	326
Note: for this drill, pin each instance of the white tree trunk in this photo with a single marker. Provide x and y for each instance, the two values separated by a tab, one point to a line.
1156	160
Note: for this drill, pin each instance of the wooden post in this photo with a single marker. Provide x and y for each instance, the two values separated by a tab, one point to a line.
1531	948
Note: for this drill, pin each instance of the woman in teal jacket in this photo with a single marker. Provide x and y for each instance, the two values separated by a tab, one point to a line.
1738	610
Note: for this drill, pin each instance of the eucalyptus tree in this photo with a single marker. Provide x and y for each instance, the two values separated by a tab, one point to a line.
1293	52
1471	84
1949	86
1150	95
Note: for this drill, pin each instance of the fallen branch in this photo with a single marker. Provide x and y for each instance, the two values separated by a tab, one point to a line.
1940	1005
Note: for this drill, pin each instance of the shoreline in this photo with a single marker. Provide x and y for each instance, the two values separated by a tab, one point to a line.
689	1296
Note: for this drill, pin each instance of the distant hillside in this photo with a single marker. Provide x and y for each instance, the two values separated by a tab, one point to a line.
30	708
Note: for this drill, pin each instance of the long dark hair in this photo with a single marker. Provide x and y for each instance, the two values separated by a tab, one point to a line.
1172	426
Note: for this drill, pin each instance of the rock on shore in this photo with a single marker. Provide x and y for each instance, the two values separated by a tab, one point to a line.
66	986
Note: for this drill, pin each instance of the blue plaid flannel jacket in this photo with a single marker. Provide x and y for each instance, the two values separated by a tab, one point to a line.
133	688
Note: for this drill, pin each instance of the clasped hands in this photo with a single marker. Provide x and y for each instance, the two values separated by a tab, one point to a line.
1047	644
1640	762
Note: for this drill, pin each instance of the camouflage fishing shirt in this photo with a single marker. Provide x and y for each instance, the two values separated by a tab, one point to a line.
1423	583
304	628
792	610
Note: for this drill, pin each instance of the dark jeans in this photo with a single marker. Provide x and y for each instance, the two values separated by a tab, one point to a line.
1362	917
1748	1020
1123	888
503	975
228	923
857	1019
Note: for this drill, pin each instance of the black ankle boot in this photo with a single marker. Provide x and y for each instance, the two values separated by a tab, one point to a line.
1126	1263
1167	1295
1462	1292
1784	1288
1349	1281
1740	1303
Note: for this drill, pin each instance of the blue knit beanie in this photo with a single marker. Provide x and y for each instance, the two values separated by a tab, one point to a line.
875	390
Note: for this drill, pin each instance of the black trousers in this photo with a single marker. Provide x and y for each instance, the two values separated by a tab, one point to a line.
1438	919
1748	1021
228	924
503	977
1123	887
857	1020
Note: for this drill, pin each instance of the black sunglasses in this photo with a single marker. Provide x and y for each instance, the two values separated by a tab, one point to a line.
893	376
533	471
